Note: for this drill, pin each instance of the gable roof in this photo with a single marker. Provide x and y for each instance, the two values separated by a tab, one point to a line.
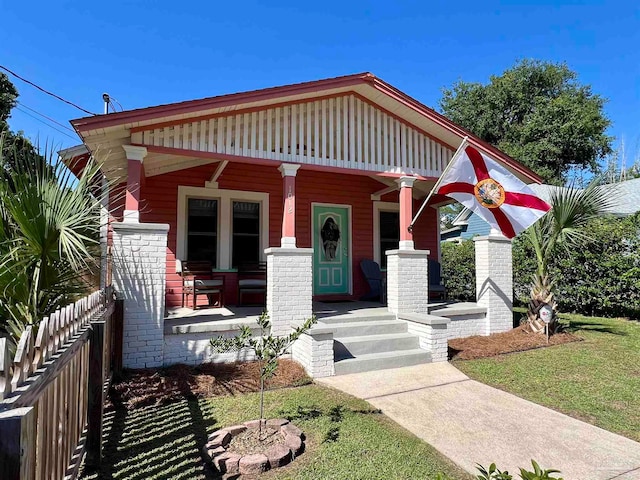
114	129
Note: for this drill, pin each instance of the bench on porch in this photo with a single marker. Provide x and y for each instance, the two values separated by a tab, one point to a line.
252	279
198	279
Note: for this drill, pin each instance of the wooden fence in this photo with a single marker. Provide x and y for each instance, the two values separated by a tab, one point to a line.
52	393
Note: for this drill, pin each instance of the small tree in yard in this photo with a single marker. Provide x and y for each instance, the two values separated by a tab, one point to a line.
563	227
267	348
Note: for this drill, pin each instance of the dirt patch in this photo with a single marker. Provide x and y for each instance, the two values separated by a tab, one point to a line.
251	441
517	340
140	388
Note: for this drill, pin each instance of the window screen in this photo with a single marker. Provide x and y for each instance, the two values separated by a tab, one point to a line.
389	234
202	228
246	233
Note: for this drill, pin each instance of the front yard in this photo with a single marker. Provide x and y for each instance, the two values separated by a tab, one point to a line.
346	437
596	380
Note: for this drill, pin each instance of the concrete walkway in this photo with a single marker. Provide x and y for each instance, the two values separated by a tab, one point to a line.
471	423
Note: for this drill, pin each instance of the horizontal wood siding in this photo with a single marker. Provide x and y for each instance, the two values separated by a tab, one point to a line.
160	196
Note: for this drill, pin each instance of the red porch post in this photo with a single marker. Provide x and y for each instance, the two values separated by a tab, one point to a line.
289	172
406	212
135	156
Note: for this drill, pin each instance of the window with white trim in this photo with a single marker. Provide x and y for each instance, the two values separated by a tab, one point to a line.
226	227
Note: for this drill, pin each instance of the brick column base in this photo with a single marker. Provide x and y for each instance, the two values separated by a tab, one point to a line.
408	281
289	287
494	281
139	272
314	351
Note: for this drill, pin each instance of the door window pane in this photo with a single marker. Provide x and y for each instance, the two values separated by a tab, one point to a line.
246	233
202	230
389	234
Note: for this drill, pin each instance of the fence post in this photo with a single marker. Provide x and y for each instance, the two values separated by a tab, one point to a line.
17	444
95	395
118	336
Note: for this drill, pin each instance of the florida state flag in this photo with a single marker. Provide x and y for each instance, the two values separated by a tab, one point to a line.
491	191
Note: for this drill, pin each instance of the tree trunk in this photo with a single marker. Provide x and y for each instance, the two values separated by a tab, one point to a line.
541	294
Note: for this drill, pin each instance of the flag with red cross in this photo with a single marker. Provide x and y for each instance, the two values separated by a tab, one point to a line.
488	189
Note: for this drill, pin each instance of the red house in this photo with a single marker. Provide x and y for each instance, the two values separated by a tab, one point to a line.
311	178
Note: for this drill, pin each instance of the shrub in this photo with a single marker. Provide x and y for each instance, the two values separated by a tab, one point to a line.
603	278
459	270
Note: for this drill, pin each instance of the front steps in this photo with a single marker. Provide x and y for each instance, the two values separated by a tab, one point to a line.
365	343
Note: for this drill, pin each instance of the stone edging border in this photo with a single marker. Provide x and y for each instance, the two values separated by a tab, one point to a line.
228	463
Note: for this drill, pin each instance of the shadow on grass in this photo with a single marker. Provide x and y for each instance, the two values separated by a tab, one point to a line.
158	442
575	326
335	415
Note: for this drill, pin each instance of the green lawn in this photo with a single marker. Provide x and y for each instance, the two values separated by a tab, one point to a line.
597	380
346	438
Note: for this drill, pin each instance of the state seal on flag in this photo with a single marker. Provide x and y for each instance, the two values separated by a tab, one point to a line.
489	193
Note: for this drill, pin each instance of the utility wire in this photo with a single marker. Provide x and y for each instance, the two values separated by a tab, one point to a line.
45	123
44	116
45	91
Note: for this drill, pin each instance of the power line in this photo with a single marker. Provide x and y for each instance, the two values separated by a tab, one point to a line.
45	123
46	91
44	116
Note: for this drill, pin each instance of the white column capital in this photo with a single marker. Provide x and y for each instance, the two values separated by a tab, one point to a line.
133	152
289	169
406	181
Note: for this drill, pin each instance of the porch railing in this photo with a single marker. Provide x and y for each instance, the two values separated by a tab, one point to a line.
52	393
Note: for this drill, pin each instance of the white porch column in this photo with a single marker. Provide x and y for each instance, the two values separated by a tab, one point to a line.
494	280
407	281
289	287
139	271
135	156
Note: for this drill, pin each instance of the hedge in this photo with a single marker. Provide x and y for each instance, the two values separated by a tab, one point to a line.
603	278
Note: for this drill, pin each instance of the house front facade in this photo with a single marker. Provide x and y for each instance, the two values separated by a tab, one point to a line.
310	178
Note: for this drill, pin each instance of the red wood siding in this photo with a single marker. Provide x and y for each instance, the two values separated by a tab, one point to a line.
159	198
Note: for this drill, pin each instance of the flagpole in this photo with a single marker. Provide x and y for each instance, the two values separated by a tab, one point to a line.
465	140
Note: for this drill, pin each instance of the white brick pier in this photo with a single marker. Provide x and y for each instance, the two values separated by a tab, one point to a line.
139	271
408	281
494	281
289	287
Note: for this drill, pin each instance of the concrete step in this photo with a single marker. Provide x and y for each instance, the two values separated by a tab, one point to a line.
378	327
354	318
369	344
381	361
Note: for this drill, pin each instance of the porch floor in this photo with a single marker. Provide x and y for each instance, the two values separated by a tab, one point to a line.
185	320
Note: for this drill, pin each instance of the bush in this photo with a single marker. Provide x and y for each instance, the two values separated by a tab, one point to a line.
459	270
601	279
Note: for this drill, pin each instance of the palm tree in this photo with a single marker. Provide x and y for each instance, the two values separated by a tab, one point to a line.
561	229
49	236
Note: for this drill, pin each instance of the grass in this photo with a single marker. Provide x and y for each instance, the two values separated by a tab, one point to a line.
346	438
596	380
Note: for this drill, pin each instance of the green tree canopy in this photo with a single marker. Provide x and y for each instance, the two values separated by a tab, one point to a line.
536	112
14	144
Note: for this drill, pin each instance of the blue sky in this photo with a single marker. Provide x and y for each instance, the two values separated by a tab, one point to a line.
154	52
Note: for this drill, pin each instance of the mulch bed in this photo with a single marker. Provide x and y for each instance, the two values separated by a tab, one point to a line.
516	340
140	388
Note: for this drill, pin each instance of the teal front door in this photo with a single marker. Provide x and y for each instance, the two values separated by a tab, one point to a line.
331	272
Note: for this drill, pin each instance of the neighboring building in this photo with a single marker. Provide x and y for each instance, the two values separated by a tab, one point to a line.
312	178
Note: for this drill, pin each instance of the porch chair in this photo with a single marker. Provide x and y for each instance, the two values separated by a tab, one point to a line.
197	279
437	289
252	279
377	283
